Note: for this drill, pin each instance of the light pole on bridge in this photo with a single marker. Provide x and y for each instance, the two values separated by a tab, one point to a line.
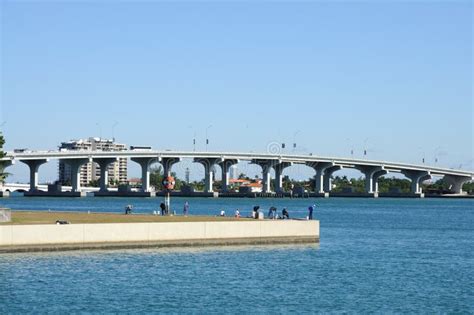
194	137
349	142
294	139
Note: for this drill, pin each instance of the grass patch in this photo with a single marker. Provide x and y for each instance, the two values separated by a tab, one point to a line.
46	217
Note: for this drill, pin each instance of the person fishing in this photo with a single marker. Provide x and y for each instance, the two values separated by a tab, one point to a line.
272	212
163	208
255	212
310	212
186	208
285	214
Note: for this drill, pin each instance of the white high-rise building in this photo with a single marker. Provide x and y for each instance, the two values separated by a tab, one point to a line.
91	171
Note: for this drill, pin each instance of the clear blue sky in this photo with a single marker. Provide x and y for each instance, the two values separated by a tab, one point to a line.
396	76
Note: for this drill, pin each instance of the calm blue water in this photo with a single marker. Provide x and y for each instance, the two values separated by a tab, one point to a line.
375	256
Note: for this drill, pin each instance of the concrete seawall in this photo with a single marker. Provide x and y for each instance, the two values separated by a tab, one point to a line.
17	238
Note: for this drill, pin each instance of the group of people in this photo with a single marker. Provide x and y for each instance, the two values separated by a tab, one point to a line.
165	210
272	212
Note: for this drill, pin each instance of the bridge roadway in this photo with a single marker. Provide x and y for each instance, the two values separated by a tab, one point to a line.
323	166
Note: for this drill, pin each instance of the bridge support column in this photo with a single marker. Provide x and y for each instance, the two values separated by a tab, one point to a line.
417	178
34	166
279	175
225	167
319	167
266	179
104	172
327	177
372	173
456	183
167	163
266	166
75	165
145	165
375	180
208	163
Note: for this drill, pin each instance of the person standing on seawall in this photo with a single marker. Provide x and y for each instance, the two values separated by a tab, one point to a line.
310	212
163	208
285	214
186	209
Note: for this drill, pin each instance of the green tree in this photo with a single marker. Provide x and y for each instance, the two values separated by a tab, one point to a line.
94	183
287	183
468	187
198	186
156	177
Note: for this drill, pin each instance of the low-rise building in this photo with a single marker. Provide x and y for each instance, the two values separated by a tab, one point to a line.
251	188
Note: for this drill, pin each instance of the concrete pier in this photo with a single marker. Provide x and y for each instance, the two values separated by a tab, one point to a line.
18	238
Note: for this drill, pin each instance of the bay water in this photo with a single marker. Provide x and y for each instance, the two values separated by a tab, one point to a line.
374	256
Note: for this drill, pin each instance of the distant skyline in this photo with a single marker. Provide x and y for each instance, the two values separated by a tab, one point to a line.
391	78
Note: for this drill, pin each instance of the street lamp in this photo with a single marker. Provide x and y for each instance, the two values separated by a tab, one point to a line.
436	154
294	139
207	138
365	146
423	156
349	142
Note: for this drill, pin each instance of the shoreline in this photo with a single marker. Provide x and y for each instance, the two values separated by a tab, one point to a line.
159	244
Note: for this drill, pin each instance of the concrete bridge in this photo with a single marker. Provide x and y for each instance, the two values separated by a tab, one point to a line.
323	166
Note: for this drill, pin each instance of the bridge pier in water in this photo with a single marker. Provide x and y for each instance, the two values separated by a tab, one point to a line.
456	183
327	183
322	179
145	163
266	166
104	172
208	164
75	165
279	167
417	178
225	167
167	163
372	174
34	165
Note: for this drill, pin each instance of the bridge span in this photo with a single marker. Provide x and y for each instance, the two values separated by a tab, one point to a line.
323	166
